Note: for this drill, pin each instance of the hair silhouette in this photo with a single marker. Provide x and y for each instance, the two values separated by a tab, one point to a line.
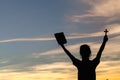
86	68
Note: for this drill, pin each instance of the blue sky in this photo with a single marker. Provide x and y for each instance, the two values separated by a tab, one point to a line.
22	16
28	46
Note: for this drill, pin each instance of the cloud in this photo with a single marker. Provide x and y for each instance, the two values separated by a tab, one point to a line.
59	71
55	71
55	51
100	11
72	48
114	29
52	67
3	62
105	8
26	39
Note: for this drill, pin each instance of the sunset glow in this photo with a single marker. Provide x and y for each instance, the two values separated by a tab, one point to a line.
29	50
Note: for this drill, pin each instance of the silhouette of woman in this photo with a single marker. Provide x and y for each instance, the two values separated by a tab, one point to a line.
86	68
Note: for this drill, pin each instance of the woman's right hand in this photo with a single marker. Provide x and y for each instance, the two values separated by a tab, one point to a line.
105	38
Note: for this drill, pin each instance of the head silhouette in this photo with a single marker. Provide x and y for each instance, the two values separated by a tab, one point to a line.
85	51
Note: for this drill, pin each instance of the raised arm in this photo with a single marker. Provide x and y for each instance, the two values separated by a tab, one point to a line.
68	53
105	39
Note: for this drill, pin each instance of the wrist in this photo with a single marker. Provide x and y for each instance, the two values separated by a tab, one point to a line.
104	41
61	45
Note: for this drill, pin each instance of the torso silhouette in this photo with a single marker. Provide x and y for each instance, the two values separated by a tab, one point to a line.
86	69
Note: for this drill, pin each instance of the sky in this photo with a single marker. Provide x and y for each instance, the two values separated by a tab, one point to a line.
28	48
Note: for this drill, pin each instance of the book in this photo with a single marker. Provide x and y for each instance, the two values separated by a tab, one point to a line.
60	37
